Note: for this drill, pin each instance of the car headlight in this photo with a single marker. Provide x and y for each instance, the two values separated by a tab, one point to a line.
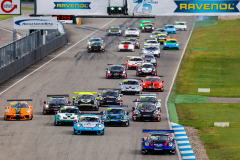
144	83
138	87
89	46
170	144
47	106
125	117
78	125
156	112
139	69
146	143
177	44
8	111
122	87
101	98
153	60
160	84
101	46
119	98
27	111
137	112
99	126
124	72
108	71
142	27
154	69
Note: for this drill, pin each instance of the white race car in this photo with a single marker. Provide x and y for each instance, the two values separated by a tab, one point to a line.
126	46
134	62
152	43
180	25
132	32
152	50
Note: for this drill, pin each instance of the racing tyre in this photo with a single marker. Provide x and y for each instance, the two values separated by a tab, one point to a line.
57	124
31	117
172	153
127	124
162	89
137	74
44	112
144	152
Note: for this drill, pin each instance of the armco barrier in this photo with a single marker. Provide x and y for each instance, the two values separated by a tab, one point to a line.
30	58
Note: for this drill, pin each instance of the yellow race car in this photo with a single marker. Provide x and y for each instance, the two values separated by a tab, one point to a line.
161	38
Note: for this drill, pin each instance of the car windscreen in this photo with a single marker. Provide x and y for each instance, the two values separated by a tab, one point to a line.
152	79
169	26
132	40
115	111
147	66
156	137
148	56
148	25
130	82
18	105
88	119
172	42
126	42
152	42
113	29
135	59
117	68
163	36
86	97
96	43
180	24
57	101
148	99
94	39
69	110
151	48
110	93
146	106
132	29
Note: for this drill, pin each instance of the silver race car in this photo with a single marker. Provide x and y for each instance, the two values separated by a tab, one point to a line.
114	31
150	59
154	50
94	39
152	43
130	86
180	25
132	32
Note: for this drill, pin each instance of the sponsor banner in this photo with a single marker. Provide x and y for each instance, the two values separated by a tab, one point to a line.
34	22
72	7
184	7
10	7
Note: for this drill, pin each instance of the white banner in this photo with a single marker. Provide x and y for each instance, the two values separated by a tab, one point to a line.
34	22
10	7
72	7
184	7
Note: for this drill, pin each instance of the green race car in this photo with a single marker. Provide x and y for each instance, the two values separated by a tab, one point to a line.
142	23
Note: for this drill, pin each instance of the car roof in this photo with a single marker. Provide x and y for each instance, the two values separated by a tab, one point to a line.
147	63
115	108
95	37
130	80
89	115
171	40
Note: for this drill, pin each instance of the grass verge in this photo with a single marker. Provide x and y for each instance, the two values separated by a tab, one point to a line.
28	9
4	17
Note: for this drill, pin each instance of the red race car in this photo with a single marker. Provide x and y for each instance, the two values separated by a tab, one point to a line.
152	83
134	62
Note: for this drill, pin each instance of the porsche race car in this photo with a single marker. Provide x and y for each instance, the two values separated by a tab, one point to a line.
150	59
150	98
143	22
146	69
160	29
130	86
135	41
171	43
180	25
94	39
114	31
134	62
126	46
96	46
148	27
132	32
86	101
153	83
161	38
152	43
18	109
109	97
170	28
116	71
154	50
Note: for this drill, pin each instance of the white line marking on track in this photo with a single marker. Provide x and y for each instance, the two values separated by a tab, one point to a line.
11	32
174	77
52	59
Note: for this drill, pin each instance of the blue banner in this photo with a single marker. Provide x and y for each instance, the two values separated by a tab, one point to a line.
207	6
72	5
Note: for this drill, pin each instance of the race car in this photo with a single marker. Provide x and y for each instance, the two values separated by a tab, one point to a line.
114	31
126	46
66	114
153	83
158	141
132	32
18	109
135	41
96	46
146	69
150	98
116	71
115	115
151	43
154	50
88	123
153	36
146	111
150	59
161	38
160	29
171	43
134	61
170	28
143	22
94	39
180	25
148	27
130	86
86	101
54	103
109	97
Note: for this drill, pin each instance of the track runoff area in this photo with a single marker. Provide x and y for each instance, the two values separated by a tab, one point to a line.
72	68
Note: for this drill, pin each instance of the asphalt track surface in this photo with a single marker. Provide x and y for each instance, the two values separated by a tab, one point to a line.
77	70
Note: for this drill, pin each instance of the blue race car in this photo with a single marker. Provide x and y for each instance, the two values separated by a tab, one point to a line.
88	124
158	141
115	115
171	44
170	29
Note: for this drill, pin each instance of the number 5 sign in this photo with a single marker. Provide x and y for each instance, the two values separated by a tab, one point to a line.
10	7
143	6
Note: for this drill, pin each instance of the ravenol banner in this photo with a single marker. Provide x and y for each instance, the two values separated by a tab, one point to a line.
72	7
184	7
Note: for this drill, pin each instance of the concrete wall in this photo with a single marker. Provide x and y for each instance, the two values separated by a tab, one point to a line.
30	58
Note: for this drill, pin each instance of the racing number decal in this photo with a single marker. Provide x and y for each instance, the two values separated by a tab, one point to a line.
146	6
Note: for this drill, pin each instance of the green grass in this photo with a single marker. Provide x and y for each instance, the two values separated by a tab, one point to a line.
212	61
221	143
4	17
28	9
191	99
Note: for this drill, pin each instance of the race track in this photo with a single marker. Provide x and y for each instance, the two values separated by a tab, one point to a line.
77	70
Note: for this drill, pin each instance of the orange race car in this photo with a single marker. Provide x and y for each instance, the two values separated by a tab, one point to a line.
152	83
18	109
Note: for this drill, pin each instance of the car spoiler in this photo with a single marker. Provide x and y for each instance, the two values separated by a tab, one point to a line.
109	89
155	130
173	38
148	94
86	92
10	100
114	105
134	56
58	95
145	101
144	21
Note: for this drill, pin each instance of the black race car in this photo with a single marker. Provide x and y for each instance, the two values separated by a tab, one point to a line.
85	101
109	97
160	29
135	41
146	69
54	103
148	28
96	46
146	111
116	70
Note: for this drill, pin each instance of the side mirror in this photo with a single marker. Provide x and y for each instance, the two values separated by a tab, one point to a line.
106	68
133	108
126	112
126	60
101	112
75	121
31	107
142	80
6	107
98	94
120	95
44	102
142	139
102	121
178	42
173	139
162	81
136	99
73	98
120	83
69	102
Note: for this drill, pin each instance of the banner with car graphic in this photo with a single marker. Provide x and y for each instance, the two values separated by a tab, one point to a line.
184	7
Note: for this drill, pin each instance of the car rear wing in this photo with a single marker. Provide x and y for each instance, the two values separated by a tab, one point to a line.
86	92
109	89
180	22
144	21
155	130
10	100
114	105
173	38
134	56
147	94
58	96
